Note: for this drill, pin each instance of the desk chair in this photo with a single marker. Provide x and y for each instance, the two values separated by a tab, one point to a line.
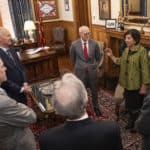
58	40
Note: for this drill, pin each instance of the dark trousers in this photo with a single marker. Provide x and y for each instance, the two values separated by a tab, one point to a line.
133	104
90	81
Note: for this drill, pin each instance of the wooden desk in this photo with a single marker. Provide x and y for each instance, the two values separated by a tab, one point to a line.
40	66
24	46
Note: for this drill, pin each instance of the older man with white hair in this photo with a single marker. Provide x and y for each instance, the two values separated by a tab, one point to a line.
85	55
79	132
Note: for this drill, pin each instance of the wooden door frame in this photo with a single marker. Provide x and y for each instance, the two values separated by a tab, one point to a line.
76	14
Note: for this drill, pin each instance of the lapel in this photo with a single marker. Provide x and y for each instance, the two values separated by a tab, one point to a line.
6	60
80	49
90	48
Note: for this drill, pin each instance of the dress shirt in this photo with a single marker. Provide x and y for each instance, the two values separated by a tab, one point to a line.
85	116
87	45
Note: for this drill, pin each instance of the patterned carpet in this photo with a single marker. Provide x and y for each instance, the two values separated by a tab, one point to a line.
130	141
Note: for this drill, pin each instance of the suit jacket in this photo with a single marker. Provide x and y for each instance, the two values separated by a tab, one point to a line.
15	76
15	119
85	134
143	123
80	62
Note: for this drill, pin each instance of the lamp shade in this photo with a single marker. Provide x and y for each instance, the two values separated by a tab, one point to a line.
29	25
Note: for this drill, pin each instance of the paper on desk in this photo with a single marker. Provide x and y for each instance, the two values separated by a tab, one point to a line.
33	50
36	50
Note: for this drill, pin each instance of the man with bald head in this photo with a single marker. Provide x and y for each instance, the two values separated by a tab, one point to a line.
85	55
80	132
16	85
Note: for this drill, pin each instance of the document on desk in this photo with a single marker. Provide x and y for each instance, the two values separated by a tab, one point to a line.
36	50
33	50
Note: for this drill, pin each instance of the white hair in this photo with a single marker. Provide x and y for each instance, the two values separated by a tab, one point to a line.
81	28
70	96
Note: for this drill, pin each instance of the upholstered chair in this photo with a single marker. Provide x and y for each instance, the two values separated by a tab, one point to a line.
58	42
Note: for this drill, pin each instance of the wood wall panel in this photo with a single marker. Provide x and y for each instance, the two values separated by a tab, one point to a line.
71	31
48	26
1	23
99	33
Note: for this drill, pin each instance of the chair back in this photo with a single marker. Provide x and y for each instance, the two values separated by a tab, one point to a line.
58	34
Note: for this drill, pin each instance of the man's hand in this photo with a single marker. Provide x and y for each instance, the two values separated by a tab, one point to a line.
26	88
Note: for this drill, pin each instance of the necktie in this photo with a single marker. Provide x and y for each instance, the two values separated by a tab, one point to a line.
85	51
10	56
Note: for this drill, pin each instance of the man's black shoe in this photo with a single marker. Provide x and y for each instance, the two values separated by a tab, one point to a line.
98	112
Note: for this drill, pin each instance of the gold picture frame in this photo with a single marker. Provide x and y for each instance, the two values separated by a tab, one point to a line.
45	9
104	9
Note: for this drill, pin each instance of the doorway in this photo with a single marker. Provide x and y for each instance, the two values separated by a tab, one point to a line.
82	13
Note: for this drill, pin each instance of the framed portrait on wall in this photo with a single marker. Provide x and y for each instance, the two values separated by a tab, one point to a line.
104	9
46	9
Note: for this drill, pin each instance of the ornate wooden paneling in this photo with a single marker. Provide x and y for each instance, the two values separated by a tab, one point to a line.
47	27
71	32
40	66
99	33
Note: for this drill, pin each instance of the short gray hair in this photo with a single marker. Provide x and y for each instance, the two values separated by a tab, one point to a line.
81	28
70	96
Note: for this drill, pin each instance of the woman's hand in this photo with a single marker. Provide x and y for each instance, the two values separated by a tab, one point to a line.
143	89
108	51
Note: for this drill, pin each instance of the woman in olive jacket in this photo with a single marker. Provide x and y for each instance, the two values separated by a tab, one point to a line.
134	74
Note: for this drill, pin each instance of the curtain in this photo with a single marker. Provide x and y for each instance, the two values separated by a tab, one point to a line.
20	11
144	7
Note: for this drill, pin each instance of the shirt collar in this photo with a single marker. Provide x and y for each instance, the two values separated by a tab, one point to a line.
85	116
84	41
4	49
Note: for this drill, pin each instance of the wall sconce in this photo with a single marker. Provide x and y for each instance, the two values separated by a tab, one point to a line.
29	26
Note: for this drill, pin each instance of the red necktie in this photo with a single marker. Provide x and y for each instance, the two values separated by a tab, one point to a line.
85	51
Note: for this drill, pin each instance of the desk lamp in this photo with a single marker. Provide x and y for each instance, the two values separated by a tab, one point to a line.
29	26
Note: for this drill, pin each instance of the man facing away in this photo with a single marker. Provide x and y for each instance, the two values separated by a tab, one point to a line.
79	132
85	55
16	85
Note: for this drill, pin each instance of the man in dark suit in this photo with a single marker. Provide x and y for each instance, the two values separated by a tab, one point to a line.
79	132
16	85
143	123
85	55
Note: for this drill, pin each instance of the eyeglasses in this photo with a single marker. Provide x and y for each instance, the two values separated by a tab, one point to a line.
87	33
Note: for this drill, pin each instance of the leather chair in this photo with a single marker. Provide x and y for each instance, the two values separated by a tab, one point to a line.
58	40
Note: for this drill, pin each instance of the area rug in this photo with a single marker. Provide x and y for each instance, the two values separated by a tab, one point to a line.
130	141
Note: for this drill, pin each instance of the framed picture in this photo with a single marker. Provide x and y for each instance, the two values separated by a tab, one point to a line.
104	9
110	23
45	9
66	4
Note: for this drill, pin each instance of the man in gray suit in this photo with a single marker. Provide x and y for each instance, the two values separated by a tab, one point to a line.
15	119
85	55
